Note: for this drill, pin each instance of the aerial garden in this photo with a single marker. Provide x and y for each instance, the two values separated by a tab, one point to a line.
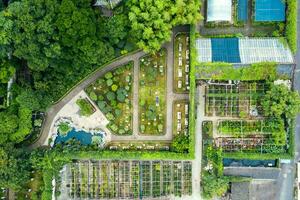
127	179
50	59
113	95
152	93
181	63
245	118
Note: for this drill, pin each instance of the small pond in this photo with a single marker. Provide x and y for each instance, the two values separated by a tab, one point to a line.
248	163
83	137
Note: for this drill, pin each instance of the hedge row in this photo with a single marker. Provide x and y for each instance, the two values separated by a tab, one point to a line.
291	24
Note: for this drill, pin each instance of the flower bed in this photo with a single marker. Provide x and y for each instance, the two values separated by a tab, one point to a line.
113	95
152	93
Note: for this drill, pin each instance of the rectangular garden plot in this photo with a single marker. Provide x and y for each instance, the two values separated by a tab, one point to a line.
126	179
181	63
234	100
113	95
152	93
180	117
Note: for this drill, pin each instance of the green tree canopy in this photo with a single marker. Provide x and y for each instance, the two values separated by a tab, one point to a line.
29	99
279	100
180	143
8	125
152	21
14	167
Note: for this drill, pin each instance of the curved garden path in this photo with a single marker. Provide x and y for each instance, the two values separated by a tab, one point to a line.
53	110
171	96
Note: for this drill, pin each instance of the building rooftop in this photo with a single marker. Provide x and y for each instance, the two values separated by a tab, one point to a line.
269	10
243	50
219	10
254	190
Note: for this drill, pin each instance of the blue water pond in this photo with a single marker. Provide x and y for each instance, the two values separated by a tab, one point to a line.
83	137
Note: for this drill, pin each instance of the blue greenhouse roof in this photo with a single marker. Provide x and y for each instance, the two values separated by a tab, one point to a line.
269	10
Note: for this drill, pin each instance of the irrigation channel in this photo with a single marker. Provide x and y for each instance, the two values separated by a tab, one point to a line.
126	179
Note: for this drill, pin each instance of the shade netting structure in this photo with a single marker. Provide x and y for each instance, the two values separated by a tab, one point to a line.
219	10
243	50
269	10
242	10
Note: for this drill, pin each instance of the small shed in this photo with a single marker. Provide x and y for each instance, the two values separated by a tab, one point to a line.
219	10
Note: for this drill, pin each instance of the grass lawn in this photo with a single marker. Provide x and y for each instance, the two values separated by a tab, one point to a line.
113	95
180	117
181	63
152	93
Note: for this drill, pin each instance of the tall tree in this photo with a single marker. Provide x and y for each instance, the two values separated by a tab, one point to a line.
14	167
279	100
152	20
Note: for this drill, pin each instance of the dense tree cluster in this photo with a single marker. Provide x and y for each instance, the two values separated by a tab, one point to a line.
279	101
152	21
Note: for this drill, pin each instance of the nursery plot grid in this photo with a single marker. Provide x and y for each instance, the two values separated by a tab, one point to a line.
128	179
233	100
256	143
242	127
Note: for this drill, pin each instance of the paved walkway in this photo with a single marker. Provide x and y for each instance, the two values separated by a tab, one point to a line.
196	168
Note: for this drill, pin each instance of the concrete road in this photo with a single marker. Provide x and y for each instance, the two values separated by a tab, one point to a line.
287	177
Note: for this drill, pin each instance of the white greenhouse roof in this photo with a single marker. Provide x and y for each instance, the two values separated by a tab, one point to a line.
219	10
261	50
243	50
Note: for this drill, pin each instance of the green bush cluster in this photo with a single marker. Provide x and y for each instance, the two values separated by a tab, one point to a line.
86	108
291	24
64	128
226	71
112	93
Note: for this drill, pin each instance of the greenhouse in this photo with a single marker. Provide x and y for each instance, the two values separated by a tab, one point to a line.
243	50
219	10
269	10
242	9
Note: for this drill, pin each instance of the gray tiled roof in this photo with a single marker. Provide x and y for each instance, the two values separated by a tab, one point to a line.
253	172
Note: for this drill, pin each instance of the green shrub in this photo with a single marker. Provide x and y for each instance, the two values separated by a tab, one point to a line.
108	75
86	108
180	143
109	82
93	96
291	24
114	87
64	128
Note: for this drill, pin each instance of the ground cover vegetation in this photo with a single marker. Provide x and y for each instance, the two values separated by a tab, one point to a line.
113	95
181	63
180	142
152	93
226	71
